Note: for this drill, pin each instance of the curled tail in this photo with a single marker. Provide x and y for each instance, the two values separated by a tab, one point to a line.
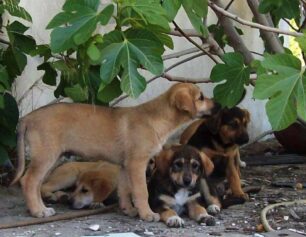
20	150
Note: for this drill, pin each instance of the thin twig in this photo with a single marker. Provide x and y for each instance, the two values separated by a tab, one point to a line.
28	90
184	79
260	54
251	24
288	22
189	32
183	52
194	43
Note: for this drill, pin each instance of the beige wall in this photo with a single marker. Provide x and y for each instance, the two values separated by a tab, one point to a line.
43	10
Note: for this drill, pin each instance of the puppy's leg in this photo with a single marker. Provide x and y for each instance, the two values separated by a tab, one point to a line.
199	214
124	193
170	218
33	178
211	198
233	178
136	170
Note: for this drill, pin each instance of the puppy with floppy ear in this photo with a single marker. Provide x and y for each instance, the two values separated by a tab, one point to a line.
127	136
219	137
175	186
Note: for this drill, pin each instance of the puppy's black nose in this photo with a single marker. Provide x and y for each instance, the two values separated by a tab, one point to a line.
244	138
187	180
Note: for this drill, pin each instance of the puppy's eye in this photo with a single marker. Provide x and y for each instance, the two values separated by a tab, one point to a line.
201	96
84	190
178	165
233	124
195	166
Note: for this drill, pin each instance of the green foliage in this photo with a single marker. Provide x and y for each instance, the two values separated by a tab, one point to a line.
279	9
13	60
235	74
284	85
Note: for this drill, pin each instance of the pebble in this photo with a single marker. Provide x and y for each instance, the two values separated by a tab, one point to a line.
94	227
258	235
57	233
149	233
286	218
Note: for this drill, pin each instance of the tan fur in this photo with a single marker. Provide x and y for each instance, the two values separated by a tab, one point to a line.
126	136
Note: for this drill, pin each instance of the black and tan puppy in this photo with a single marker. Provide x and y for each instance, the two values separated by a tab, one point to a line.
175	185
128	136
219	137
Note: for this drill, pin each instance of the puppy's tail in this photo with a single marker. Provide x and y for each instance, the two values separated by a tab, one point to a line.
21	151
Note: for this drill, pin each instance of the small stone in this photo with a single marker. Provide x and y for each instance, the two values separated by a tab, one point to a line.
94	227
149	233
233	224
58	233
257	235
299	186
246	222
260	228
278	228
286	218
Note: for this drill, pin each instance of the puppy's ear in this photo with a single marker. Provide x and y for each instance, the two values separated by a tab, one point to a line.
163	160
214	123
183	101
207	164
247	115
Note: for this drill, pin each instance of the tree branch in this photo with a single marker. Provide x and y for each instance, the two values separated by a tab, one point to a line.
289	24
188	32
194	43
220	10
234	38
270	38
183	52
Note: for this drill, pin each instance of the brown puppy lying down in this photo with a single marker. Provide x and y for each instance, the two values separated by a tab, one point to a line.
219	137
94	182
127	136
174	188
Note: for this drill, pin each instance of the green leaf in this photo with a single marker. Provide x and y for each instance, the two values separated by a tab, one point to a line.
235	74
3	155
9	113
12	7
105	15
109	92
195	11
280	9
93	52
42	50
77	93
50	75
4	78
150	11
129	50
7	138
302	41
285	89
171	7
15	61
80	19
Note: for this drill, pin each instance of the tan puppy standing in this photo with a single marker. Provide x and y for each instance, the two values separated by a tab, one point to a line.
127	136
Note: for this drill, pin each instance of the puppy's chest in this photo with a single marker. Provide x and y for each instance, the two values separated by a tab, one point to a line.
178	201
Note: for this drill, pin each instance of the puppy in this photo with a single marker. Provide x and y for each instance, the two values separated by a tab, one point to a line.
94	182
219	137
127	136
175	185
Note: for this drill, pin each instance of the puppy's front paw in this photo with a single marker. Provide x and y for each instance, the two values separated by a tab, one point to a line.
132	211
149	216
175	221
242	164
207	219
96	205
244	196
46	212
213	209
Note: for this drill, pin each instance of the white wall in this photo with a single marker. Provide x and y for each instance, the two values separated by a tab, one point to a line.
42	12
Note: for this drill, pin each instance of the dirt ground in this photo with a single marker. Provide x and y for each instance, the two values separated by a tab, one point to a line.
277	182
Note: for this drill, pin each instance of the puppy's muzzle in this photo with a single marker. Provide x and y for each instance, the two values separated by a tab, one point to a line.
187	180
242	139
